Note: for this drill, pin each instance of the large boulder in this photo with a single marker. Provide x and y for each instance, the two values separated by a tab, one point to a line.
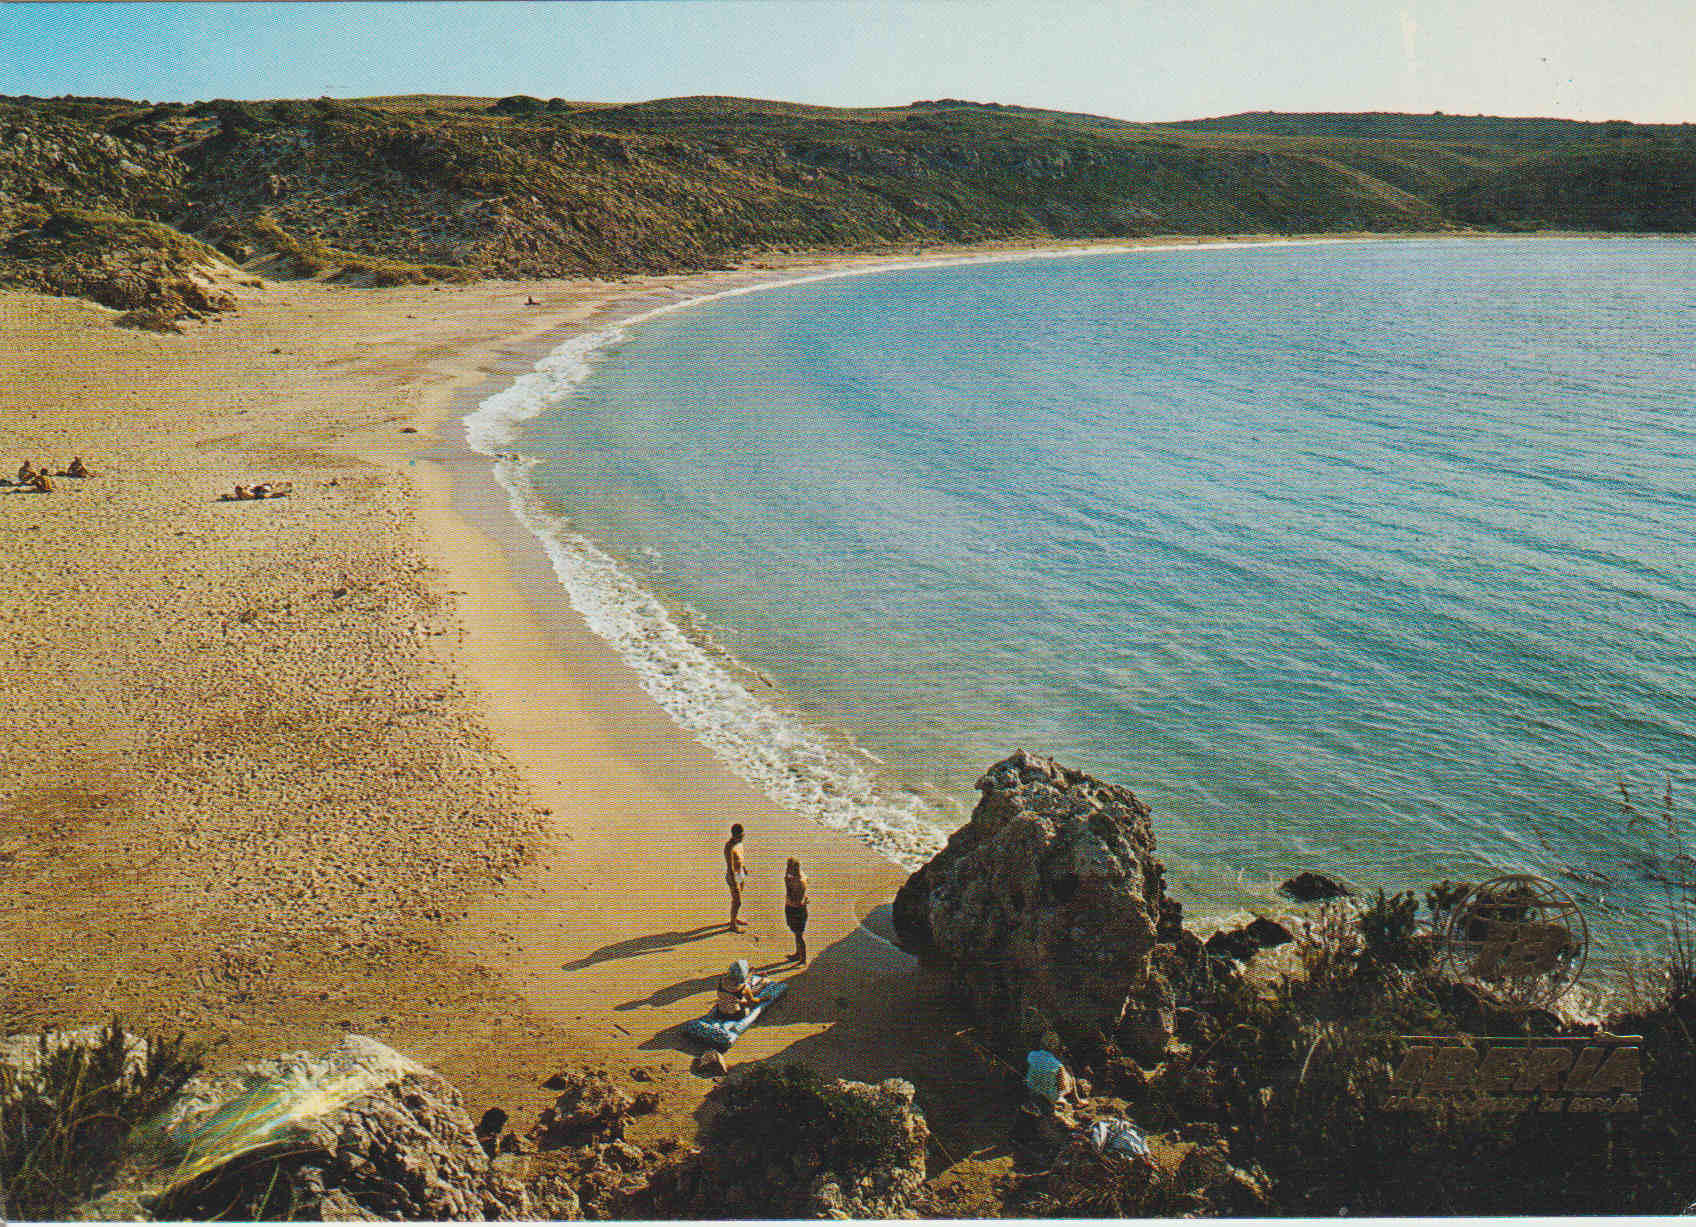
785	1142
359	1133
1047	906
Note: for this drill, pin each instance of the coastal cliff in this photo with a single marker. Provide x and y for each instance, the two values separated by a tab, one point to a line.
134	205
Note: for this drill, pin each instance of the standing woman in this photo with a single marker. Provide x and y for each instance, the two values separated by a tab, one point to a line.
795	908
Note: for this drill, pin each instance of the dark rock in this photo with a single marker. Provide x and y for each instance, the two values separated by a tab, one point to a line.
645	1103
1194	1027
710	1064
489	1129
624	1156
1244	943
1149	1019
1243	1193
553	1197
1202	1168
590	1108
1046	905
1315	888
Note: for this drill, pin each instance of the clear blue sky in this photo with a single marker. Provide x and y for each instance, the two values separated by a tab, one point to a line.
1634	59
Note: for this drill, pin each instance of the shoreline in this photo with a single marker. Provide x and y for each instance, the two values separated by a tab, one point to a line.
276	774
478	430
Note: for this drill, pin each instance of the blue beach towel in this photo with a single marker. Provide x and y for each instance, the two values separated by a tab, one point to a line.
716	1031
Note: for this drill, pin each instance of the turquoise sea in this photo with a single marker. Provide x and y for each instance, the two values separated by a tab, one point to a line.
1376	558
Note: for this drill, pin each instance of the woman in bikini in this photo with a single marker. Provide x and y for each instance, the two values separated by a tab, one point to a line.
795	903
738	990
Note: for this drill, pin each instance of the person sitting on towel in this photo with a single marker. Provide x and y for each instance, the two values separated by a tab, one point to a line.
737	991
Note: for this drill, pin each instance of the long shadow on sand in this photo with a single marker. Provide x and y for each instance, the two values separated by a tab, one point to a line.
670	993
652	943
887	1017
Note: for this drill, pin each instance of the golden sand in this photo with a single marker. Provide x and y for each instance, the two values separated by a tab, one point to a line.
271	770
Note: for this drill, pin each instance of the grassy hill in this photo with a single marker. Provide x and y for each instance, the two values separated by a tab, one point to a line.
1384	125
427	186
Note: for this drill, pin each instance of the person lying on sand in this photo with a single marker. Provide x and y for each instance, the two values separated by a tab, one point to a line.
39	481
738	990
264	489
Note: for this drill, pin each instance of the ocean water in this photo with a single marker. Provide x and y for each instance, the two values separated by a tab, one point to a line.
1375	558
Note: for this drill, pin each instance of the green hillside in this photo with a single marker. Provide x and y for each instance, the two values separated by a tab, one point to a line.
1385	125
424	187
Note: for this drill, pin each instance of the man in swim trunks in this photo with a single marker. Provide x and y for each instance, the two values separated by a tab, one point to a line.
735	874
795	903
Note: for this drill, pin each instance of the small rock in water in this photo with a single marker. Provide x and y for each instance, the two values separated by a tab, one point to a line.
1315	888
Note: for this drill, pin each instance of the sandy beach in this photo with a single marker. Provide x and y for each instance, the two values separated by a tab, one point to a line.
345	760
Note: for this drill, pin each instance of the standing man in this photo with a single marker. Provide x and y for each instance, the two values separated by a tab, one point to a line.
735	873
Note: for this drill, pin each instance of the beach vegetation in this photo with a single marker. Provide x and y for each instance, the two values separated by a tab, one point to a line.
782	1111
310	256
1299	1082
146	269
64	1118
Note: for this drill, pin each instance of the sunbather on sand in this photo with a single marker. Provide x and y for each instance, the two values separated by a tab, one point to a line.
738	990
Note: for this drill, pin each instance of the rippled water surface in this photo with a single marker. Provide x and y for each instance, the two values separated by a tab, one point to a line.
1369	557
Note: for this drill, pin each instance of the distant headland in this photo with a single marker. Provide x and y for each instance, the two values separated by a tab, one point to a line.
146	207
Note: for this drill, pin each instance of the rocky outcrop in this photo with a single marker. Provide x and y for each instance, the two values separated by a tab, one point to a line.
1047	907
360	1133
590	1108
818	1170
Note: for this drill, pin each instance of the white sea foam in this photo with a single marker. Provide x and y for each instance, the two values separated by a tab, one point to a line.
698	684
700	690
